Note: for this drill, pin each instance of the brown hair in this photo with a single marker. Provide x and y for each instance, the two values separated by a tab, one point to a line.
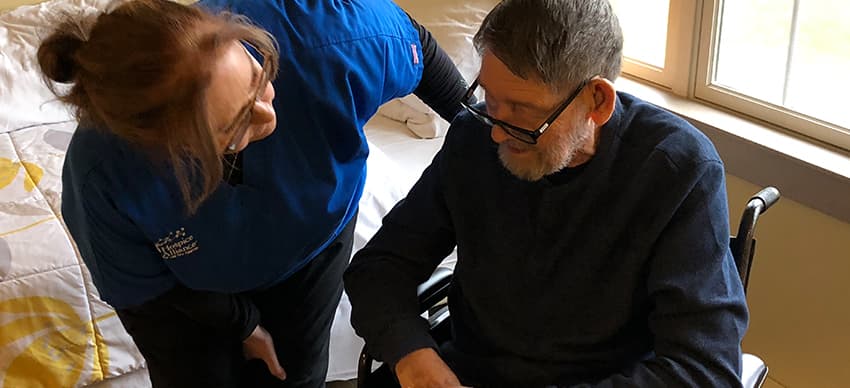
141	72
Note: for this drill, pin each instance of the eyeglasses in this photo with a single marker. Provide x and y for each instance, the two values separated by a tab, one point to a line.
242	122
240	126
519	133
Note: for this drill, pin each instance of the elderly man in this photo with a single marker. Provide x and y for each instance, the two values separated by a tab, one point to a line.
591	227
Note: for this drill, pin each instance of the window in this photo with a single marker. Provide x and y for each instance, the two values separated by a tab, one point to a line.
786	62
646	30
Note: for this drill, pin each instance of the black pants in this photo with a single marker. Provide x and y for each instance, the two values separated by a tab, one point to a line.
298	313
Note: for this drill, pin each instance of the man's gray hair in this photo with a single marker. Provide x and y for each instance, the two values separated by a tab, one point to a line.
559	42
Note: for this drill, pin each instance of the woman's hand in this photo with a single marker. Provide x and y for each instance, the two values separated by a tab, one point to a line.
259	345
424	368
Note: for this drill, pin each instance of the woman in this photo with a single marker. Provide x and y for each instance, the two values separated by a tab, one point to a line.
211	201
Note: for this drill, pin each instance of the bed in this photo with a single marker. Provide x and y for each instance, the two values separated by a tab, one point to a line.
54	329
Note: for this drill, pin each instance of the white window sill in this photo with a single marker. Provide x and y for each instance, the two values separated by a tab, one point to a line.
806	171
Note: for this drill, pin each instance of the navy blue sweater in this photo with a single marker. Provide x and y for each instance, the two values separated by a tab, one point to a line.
340	60
617	273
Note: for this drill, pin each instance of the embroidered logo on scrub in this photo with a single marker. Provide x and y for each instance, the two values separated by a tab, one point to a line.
176	244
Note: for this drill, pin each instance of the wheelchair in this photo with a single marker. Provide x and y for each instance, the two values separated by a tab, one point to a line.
433	292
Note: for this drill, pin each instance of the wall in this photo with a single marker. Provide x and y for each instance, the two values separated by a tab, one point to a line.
799	285
9	4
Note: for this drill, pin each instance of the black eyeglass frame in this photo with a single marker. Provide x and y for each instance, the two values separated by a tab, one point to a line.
519	133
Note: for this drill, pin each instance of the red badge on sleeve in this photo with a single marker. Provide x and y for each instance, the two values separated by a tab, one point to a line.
415	54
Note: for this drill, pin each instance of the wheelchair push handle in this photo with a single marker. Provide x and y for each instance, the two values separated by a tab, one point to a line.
767	196
758	204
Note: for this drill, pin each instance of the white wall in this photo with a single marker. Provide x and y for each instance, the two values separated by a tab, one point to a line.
798	291
9	4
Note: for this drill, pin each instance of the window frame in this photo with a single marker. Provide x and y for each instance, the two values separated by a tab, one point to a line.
692	40
679	53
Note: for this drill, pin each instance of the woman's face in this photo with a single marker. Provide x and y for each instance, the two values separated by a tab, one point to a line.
241	109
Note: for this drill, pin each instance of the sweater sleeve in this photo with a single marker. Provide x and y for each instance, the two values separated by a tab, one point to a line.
699	312
442	86
416	235
128	269
229	245
233	315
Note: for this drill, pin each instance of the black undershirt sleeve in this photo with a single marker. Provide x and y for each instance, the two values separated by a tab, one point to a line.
442	86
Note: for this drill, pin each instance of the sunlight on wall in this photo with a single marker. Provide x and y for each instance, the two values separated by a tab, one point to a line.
798	285
9	4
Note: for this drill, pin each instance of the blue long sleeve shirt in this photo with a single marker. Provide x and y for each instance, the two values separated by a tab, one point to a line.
616	273
340	60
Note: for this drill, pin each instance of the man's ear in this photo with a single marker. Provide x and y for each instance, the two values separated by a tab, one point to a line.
604	98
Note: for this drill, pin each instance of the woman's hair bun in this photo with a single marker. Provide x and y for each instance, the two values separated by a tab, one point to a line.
57	55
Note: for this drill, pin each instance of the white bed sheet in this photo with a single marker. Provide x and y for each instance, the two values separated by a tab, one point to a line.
396	161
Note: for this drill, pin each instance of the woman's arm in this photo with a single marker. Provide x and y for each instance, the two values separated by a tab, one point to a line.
442	86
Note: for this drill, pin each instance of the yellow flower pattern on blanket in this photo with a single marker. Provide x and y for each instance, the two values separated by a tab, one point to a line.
58	356
9	170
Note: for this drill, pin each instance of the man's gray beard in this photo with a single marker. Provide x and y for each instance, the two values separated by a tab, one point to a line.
559	155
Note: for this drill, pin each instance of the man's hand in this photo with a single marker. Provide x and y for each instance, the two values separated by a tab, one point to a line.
424	368
259	345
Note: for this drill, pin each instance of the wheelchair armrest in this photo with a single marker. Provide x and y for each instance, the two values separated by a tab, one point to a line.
430	292
435	289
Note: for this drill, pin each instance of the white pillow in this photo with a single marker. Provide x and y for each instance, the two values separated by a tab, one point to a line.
453	24
24	99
